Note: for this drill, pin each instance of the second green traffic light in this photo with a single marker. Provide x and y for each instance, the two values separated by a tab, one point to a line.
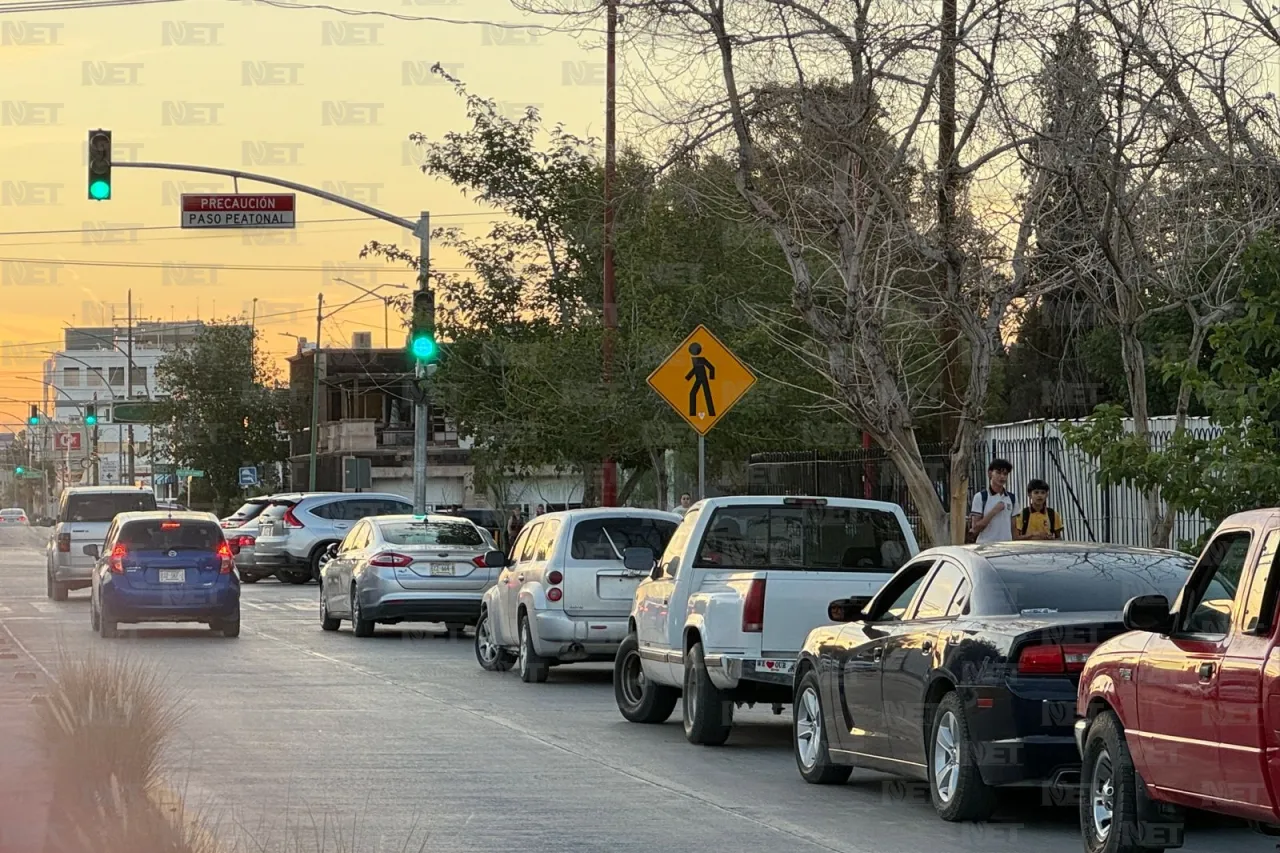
100	165
422	331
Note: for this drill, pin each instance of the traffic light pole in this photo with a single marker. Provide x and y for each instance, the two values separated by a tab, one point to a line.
421	410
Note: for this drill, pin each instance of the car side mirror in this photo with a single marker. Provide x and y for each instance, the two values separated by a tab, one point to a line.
91	551
1148	613
846	609
495	559
638	559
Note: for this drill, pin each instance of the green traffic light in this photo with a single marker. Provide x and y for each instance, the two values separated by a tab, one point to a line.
19	470
91	420
100	190
423	348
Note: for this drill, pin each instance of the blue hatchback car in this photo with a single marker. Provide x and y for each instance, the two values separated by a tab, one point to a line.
164	567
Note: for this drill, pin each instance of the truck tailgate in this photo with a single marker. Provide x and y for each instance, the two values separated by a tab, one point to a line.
795	603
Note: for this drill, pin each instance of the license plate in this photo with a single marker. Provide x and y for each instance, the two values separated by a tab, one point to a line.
173	576
442	569
780	666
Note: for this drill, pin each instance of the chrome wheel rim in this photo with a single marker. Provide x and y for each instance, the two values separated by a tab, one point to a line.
633	680
691	694
484	641
946	757
524	649
1102	795
324	605
355	609
808	728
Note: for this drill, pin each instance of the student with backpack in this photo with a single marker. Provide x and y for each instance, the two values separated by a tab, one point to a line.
991	515
1039	520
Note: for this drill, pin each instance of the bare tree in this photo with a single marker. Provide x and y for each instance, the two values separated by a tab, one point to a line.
1173	173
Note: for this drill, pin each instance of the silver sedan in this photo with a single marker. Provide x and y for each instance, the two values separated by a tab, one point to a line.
404	568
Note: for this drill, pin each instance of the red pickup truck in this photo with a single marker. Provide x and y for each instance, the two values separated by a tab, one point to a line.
1184	710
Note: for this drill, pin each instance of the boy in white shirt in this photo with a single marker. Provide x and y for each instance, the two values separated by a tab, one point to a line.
991	515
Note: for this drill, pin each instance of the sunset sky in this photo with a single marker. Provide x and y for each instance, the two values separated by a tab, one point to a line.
307	94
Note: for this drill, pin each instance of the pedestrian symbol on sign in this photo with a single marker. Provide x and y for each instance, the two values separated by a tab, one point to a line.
701	373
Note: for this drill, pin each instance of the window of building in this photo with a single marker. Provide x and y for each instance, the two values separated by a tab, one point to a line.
139	377
71	377
115	375
93	378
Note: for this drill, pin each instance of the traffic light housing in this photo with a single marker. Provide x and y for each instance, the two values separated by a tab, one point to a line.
91	415
19	470
422	330
100	165
34	417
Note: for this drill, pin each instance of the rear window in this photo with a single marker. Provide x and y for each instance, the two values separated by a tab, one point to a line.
607	538
171	535
1076	582
823	538
250	509
12	513
432	533
276	509
92	507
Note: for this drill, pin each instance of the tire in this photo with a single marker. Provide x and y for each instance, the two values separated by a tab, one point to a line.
57	591
708	712
1107	755
249	577
809	736
491	656
639	699
313	562
959	794
107	628
93	615
533	669
360	626
231	628
48	583
456	629
327	622
293	576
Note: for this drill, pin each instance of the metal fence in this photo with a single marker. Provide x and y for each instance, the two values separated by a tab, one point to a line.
1090	513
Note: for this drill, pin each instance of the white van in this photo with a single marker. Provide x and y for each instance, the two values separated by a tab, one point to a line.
84	514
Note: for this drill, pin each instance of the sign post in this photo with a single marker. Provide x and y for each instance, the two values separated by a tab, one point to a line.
702	380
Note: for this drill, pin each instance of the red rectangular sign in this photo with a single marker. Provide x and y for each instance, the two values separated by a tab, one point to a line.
66	441
238	210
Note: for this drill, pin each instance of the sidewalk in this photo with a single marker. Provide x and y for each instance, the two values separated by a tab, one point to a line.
25	784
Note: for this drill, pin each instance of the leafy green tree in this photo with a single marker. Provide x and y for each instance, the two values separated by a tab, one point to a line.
223	410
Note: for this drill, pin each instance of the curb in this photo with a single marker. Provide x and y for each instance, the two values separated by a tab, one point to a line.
26	787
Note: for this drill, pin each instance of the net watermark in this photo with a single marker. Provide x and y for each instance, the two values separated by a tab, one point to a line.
31	113
190	114
266	73
350	34
261	153
582	74
111	73
93	233
349	113
419	73
177	274
30	193
30	33
190	34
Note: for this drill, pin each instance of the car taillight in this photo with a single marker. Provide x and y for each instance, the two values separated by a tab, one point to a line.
64	543
391	560
1050	659
291	520
118	554
244	540
554	594
478	562
228	559
555	578
753	608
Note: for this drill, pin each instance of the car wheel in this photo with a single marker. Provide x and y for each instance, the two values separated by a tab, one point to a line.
297	578
708	713
319	556
93	614
327	622
492	657
249	577
809	736
955	783
48	583
58	591
360	626
639	699
106	624
532	667
1109	791
231	627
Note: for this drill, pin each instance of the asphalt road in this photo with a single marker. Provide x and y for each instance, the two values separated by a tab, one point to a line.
402	737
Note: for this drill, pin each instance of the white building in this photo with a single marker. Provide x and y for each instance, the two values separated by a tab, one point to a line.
92	368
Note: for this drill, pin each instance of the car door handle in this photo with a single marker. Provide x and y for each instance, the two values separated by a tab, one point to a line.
520	578
1206	672
927	646
877	654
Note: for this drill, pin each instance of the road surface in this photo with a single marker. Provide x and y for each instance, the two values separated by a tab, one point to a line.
402	737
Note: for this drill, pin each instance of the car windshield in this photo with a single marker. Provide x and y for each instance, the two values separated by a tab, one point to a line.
101	507
160	534
820	538
608	538
1088	580
456	534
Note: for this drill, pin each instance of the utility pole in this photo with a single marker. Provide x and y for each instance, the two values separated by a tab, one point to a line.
946	201
128	395
421	408
609	471
94	458
315	393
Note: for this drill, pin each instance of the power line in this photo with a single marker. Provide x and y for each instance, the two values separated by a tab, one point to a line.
219	266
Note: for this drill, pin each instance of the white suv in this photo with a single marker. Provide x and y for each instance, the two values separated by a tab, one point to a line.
293	535
84	514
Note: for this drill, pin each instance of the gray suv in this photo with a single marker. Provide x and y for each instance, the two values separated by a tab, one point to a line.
293	535
84	514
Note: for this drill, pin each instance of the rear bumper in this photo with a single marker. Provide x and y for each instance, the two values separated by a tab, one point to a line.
1034	760
66	568
221	602
559	636
408	606
726	672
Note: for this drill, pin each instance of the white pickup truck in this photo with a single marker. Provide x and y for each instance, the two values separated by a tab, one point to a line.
726	609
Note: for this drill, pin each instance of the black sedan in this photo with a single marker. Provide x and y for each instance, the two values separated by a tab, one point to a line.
962	670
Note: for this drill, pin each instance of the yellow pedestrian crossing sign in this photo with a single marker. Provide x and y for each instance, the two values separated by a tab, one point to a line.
702	380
